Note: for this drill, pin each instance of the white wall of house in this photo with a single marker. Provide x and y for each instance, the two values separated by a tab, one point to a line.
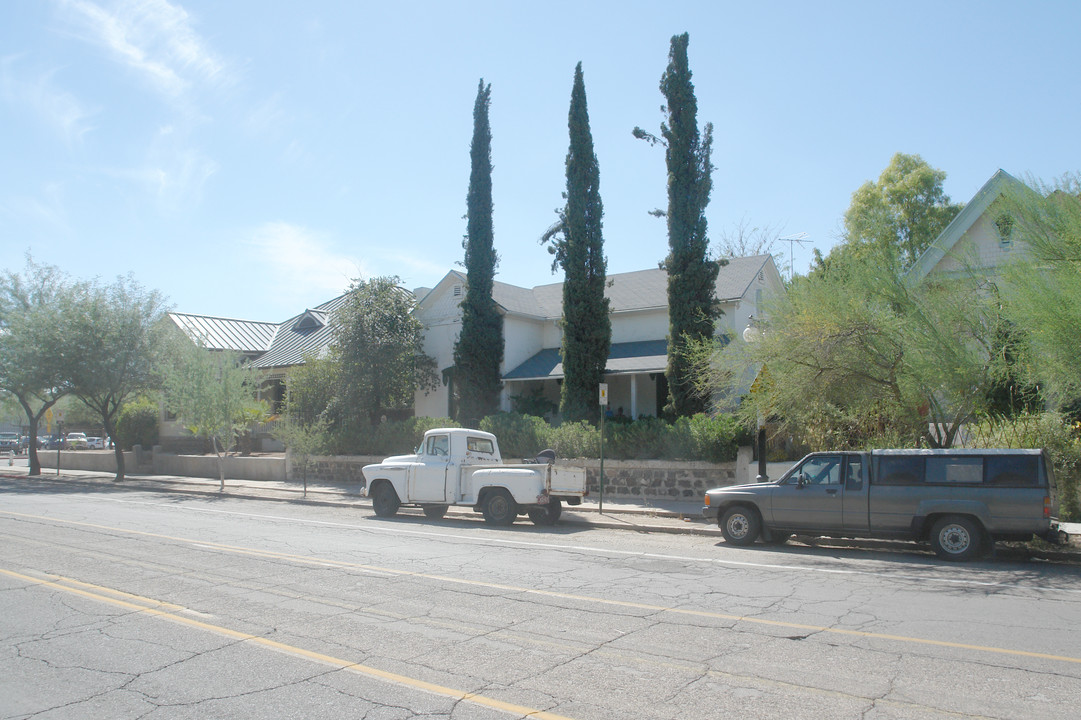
981	246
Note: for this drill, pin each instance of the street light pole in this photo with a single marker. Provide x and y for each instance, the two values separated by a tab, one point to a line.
752	334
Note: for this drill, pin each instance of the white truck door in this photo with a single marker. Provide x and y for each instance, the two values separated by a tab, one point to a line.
428	479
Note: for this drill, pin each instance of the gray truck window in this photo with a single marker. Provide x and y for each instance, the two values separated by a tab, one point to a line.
947	470
1013	470
854	474
899	470
822	470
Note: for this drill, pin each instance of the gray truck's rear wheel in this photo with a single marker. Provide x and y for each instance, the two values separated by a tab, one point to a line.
740	525
385	500
499	507
957	538
546	514
434	512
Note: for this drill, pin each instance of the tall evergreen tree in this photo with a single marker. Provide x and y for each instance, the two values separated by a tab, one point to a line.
587	329
478	353
692	276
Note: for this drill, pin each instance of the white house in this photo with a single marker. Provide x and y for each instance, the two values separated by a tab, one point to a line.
980	237
532	334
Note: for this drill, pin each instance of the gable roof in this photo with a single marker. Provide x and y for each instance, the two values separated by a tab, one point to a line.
626	292
999	184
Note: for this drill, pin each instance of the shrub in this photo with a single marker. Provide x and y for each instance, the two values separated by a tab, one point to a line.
521	436
575	440
137	424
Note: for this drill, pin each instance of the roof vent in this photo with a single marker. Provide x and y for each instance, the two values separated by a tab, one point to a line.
457	291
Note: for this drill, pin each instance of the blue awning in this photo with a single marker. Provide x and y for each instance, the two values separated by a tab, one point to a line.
645	356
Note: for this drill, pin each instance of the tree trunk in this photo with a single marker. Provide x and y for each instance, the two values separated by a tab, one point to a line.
221	464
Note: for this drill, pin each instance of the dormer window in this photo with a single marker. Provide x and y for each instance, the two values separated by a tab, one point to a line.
308	322
1004	225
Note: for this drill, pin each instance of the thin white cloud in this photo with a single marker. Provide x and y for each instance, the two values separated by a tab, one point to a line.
153	37
174	173
59	108
46	210
301	264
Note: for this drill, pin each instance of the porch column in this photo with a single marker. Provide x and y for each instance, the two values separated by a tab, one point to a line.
634	396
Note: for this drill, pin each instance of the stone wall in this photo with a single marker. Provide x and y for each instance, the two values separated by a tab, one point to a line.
645	480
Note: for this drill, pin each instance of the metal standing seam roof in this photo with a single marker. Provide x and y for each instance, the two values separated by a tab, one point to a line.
274	344
218	333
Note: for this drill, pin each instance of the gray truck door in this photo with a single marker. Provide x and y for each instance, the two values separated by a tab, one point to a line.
855	495
428	481
817	504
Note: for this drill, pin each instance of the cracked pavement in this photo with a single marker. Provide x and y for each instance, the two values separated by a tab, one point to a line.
131	605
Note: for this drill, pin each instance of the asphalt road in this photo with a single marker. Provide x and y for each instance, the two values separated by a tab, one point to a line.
124	604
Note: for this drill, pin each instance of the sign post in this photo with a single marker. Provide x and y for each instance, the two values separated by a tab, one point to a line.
603	401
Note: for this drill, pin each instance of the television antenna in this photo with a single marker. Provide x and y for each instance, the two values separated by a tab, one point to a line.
800	238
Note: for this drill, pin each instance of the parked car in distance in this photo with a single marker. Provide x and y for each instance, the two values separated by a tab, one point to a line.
95	443
50	442
76	441
10	442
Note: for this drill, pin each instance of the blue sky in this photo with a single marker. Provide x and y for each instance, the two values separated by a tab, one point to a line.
248	158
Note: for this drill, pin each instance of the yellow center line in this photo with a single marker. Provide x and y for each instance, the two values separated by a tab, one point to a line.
569	596
68	585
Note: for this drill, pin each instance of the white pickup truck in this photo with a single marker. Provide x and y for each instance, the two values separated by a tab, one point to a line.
457	466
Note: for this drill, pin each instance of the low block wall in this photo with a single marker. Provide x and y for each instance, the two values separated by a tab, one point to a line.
640	480
206	466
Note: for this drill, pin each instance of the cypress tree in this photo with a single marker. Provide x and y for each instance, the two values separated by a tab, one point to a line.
478	353
587	328
692	276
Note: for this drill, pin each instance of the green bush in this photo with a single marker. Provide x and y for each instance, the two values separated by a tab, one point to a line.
575	440
137	424
520	436
705	438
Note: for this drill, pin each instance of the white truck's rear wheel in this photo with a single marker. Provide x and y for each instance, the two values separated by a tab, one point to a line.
546	514
499	507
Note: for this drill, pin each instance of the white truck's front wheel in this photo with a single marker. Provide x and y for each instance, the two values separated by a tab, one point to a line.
385	500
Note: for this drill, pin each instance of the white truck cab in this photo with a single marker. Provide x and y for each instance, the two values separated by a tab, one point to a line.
459	466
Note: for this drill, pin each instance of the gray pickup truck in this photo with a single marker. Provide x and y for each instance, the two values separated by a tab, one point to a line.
960	501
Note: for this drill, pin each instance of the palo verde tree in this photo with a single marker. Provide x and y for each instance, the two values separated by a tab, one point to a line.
116	332
36	361
577	243
212	394
478	353
1043	286
863	354
692	276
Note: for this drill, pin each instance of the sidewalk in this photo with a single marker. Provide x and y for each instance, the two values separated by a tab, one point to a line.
622	514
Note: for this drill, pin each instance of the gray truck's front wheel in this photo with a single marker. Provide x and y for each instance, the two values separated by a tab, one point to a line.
499	507
740	525
956	538
385	500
